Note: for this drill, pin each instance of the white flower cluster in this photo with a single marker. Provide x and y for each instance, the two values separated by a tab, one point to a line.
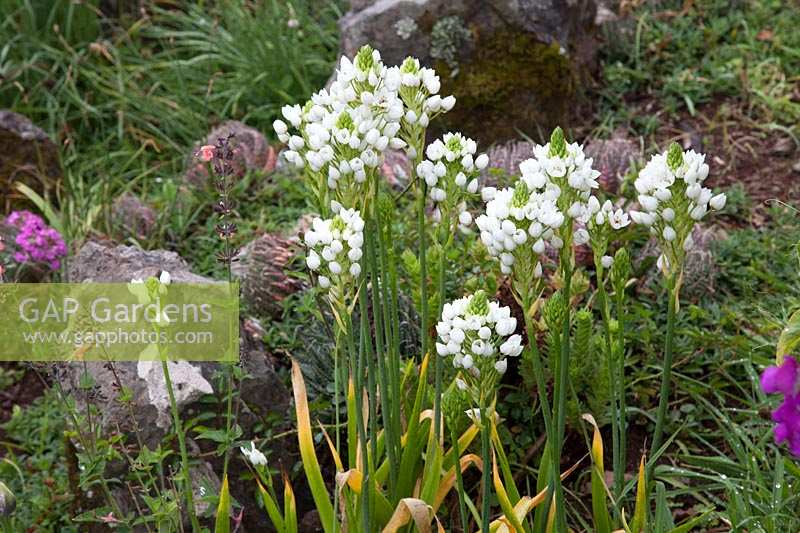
556	185
451	167
673	199
606	214
605	220
419	88
335	246
478	334
344	131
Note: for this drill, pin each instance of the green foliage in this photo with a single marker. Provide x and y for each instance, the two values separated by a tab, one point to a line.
34	468
687	57
105	95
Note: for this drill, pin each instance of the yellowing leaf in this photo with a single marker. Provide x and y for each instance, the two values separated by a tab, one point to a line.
305	439
352	478
450	478
789	339
409	509
222	523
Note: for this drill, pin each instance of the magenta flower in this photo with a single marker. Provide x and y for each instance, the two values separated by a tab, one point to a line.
785	379
36	242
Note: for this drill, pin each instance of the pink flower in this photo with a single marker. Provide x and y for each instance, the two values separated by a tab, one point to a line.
206	152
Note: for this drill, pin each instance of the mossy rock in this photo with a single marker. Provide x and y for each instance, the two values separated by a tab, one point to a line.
513	83
27	155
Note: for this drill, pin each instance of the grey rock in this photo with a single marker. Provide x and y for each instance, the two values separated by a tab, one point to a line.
376	22
262	265
29	156
513	65
262	394
131	217
506	158
612	158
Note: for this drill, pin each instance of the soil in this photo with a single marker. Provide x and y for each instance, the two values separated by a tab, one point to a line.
22	392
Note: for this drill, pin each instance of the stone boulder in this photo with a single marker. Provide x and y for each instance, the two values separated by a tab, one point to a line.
252	152
513	65
131	217
262	268
262	393
613	158
29	156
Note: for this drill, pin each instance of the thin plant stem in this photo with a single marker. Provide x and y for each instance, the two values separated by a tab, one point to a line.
560	413
389	266
176	420
616	433
437	398
619	297
485	456
666	373
356	365
423	269
462	507
380	314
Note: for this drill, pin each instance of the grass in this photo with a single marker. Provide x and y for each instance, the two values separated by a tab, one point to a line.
127	103
683	58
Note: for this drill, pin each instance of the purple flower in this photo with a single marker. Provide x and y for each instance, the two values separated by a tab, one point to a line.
35	241
785	379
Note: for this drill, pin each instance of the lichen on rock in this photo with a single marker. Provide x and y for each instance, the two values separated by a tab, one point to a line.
512	83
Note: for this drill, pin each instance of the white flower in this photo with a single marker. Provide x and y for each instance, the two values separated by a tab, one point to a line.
335	246
165	278
607	261
501	366
477	333
253	455
670	188
717	202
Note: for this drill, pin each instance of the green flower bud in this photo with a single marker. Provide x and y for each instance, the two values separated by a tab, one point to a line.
345	121
674	156
479	304
621	269
521	194
364	60
153	286
554	311
454	404
583	332
385	207
409	66
558	145
8	502
338	224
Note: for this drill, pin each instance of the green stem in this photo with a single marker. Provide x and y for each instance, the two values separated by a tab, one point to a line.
462	507
560	413
388	258
437	398
380	315
616	432
485	492
666	373
620	295
423	269
176	420
356	367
